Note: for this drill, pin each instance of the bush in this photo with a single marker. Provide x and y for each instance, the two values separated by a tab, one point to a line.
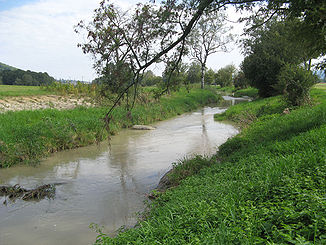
295	83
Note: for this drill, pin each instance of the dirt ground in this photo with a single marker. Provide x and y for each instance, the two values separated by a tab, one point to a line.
42	102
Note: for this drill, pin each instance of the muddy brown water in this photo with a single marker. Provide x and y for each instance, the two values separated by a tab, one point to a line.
103	184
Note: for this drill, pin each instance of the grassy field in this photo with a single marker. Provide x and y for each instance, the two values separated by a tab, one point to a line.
321	86
28	136
265	186
12	90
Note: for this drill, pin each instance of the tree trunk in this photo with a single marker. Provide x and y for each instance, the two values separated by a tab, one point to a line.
309	65
202	76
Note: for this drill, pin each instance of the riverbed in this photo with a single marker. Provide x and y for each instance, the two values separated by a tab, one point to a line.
105	184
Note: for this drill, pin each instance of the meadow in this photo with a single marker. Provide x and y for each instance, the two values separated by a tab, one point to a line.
266	185
28	136
12	90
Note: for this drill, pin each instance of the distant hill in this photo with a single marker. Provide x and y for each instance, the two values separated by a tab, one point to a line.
6	67
13	76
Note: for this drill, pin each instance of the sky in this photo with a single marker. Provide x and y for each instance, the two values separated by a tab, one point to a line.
39	35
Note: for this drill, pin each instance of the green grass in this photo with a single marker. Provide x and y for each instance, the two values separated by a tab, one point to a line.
28	136
13	90
226	90
266	185
321	86
251	92
245	113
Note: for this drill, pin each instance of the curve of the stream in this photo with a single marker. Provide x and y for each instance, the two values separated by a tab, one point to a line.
103	184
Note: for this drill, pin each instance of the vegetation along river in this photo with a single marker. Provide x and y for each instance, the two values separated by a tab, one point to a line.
103	184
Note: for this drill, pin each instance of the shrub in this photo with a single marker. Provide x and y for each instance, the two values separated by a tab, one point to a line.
295	83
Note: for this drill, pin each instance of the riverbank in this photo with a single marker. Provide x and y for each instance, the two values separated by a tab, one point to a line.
265	185
28	136
105	184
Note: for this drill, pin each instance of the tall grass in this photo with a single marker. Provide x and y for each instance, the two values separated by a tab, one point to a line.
27	136
268	187
70	88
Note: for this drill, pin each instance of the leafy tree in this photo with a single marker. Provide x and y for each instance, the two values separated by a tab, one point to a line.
224	76
240	81
309	30
150	79
193	73
6	67
208	37
210	76
29	78
173	77
295	82
269	49
150	34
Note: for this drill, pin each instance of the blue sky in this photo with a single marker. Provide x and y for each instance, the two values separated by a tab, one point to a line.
9	4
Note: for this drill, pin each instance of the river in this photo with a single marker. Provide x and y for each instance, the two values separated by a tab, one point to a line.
103	184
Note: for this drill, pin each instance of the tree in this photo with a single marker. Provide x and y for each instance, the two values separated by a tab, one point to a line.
136	40
295	83
149	79
224	76
150	34
240	81
269	48
27	79
174	77
208	37
210	76
193	73
310	29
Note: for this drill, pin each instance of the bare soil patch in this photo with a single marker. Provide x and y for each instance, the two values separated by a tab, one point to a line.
43	102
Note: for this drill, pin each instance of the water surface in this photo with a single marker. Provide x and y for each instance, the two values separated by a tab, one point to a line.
103	184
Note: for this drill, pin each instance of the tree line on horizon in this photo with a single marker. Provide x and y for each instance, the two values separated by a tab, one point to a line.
187	74
13	76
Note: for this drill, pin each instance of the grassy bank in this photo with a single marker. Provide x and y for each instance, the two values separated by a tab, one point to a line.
27	136
251	92
265	186
236	92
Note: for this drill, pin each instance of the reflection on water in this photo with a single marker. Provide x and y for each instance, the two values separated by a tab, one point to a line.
229	100
102	184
